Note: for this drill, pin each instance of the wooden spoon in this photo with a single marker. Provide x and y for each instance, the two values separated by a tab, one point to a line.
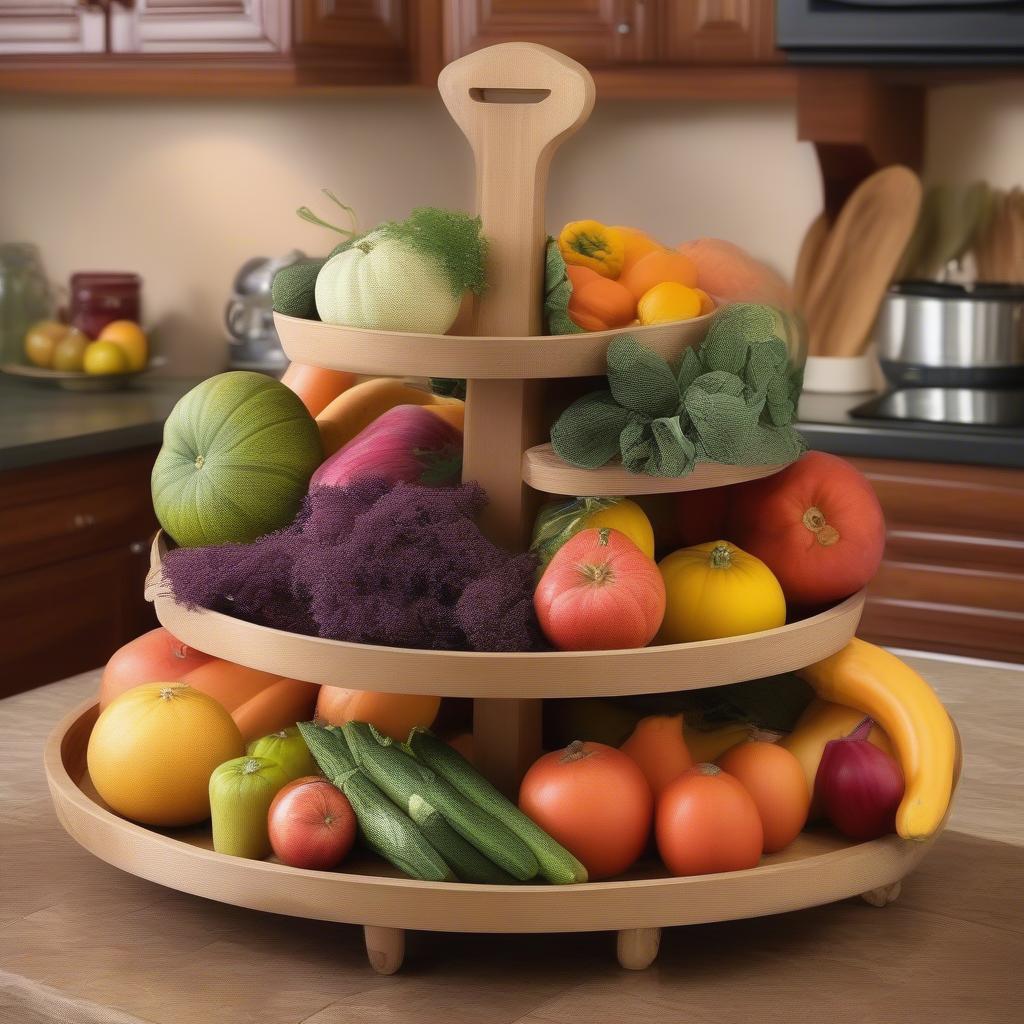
807	260
859	258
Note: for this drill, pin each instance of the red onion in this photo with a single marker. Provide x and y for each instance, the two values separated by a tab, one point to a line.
858	786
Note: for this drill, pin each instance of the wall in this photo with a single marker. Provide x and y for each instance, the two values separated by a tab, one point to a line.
185	191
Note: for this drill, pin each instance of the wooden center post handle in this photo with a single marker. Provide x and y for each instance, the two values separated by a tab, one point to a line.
515	103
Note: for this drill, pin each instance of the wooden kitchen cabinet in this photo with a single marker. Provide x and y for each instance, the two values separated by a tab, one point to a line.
594	32
51	26
74	553
708	32
200	26
952	579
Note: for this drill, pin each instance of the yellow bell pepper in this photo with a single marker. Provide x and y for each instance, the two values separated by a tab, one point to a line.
588	243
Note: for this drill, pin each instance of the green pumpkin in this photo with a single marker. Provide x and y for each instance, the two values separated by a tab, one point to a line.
237	456
241	792
287	749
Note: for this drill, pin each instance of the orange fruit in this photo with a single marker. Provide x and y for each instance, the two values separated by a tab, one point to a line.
103	357
637	245
153	749
41	341
656	268
131	338
667	302
707	304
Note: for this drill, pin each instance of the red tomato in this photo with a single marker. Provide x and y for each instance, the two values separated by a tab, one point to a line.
707	822
817	525
776	780
595	801
600	592
154	657
311	824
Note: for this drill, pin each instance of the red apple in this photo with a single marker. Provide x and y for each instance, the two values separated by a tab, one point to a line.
311	824
154	657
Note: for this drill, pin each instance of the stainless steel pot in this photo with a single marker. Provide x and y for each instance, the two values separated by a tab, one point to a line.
938	335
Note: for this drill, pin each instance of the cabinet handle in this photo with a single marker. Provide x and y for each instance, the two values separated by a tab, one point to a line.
84	519
623	28
138	547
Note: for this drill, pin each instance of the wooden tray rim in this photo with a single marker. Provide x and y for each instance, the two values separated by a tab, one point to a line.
401	353
643	670
453	907
545	471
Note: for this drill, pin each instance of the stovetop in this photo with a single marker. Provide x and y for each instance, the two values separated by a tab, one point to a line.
945	407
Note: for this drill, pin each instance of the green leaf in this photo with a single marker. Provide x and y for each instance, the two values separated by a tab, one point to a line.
587	433
657	447
766	363
640	379
689	369
557	292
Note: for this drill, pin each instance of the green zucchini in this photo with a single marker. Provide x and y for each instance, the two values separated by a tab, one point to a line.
402	778
386	829
557	864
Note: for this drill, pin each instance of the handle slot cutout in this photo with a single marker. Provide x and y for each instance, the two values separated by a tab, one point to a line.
494	95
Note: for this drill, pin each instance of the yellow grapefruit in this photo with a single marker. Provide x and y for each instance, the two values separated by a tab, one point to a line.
131	338
154	748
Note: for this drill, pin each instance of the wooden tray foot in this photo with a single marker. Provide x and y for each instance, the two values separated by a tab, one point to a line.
638	947
385	948
883	896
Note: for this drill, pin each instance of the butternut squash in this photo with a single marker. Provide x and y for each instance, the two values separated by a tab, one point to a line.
355	409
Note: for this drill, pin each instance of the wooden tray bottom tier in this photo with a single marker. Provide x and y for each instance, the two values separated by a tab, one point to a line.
819	867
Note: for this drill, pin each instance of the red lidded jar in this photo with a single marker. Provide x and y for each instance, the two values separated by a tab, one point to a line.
98	298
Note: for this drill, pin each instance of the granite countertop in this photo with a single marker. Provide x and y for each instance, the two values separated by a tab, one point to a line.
826	423
40	424
81	941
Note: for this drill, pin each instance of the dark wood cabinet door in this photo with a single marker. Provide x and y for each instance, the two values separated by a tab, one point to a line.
717	32
200	26
51	27
594	32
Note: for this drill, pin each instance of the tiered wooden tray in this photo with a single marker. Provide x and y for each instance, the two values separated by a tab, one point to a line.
515	102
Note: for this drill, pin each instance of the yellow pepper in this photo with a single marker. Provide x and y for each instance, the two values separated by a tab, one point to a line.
588	243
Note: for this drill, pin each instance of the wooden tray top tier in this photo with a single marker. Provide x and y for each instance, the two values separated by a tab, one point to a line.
399	354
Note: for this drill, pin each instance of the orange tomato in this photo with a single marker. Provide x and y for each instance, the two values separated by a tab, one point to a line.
656	268
707	822
775	779
394	714
316	386
595	801
658	747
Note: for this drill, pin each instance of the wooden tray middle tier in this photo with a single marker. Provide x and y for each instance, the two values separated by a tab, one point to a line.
658	669
400	354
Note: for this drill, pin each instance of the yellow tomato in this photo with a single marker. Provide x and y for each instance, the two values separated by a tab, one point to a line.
714	590
102	357
667	302
130	336
627	517
41	340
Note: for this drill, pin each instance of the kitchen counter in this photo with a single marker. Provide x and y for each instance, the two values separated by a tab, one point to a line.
826	424
83	942
40	424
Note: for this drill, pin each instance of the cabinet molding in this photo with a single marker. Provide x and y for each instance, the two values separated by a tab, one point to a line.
51	26
200	26
718	32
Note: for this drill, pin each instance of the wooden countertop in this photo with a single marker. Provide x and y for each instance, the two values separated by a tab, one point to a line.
82	942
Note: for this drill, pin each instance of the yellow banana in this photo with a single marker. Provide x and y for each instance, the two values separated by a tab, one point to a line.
873	681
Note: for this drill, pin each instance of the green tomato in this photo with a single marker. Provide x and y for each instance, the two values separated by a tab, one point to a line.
288	750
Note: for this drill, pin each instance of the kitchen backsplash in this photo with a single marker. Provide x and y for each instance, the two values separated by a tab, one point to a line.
184	191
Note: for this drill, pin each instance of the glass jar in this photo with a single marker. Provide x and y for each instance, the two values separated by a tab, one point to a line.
24	297
99	298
